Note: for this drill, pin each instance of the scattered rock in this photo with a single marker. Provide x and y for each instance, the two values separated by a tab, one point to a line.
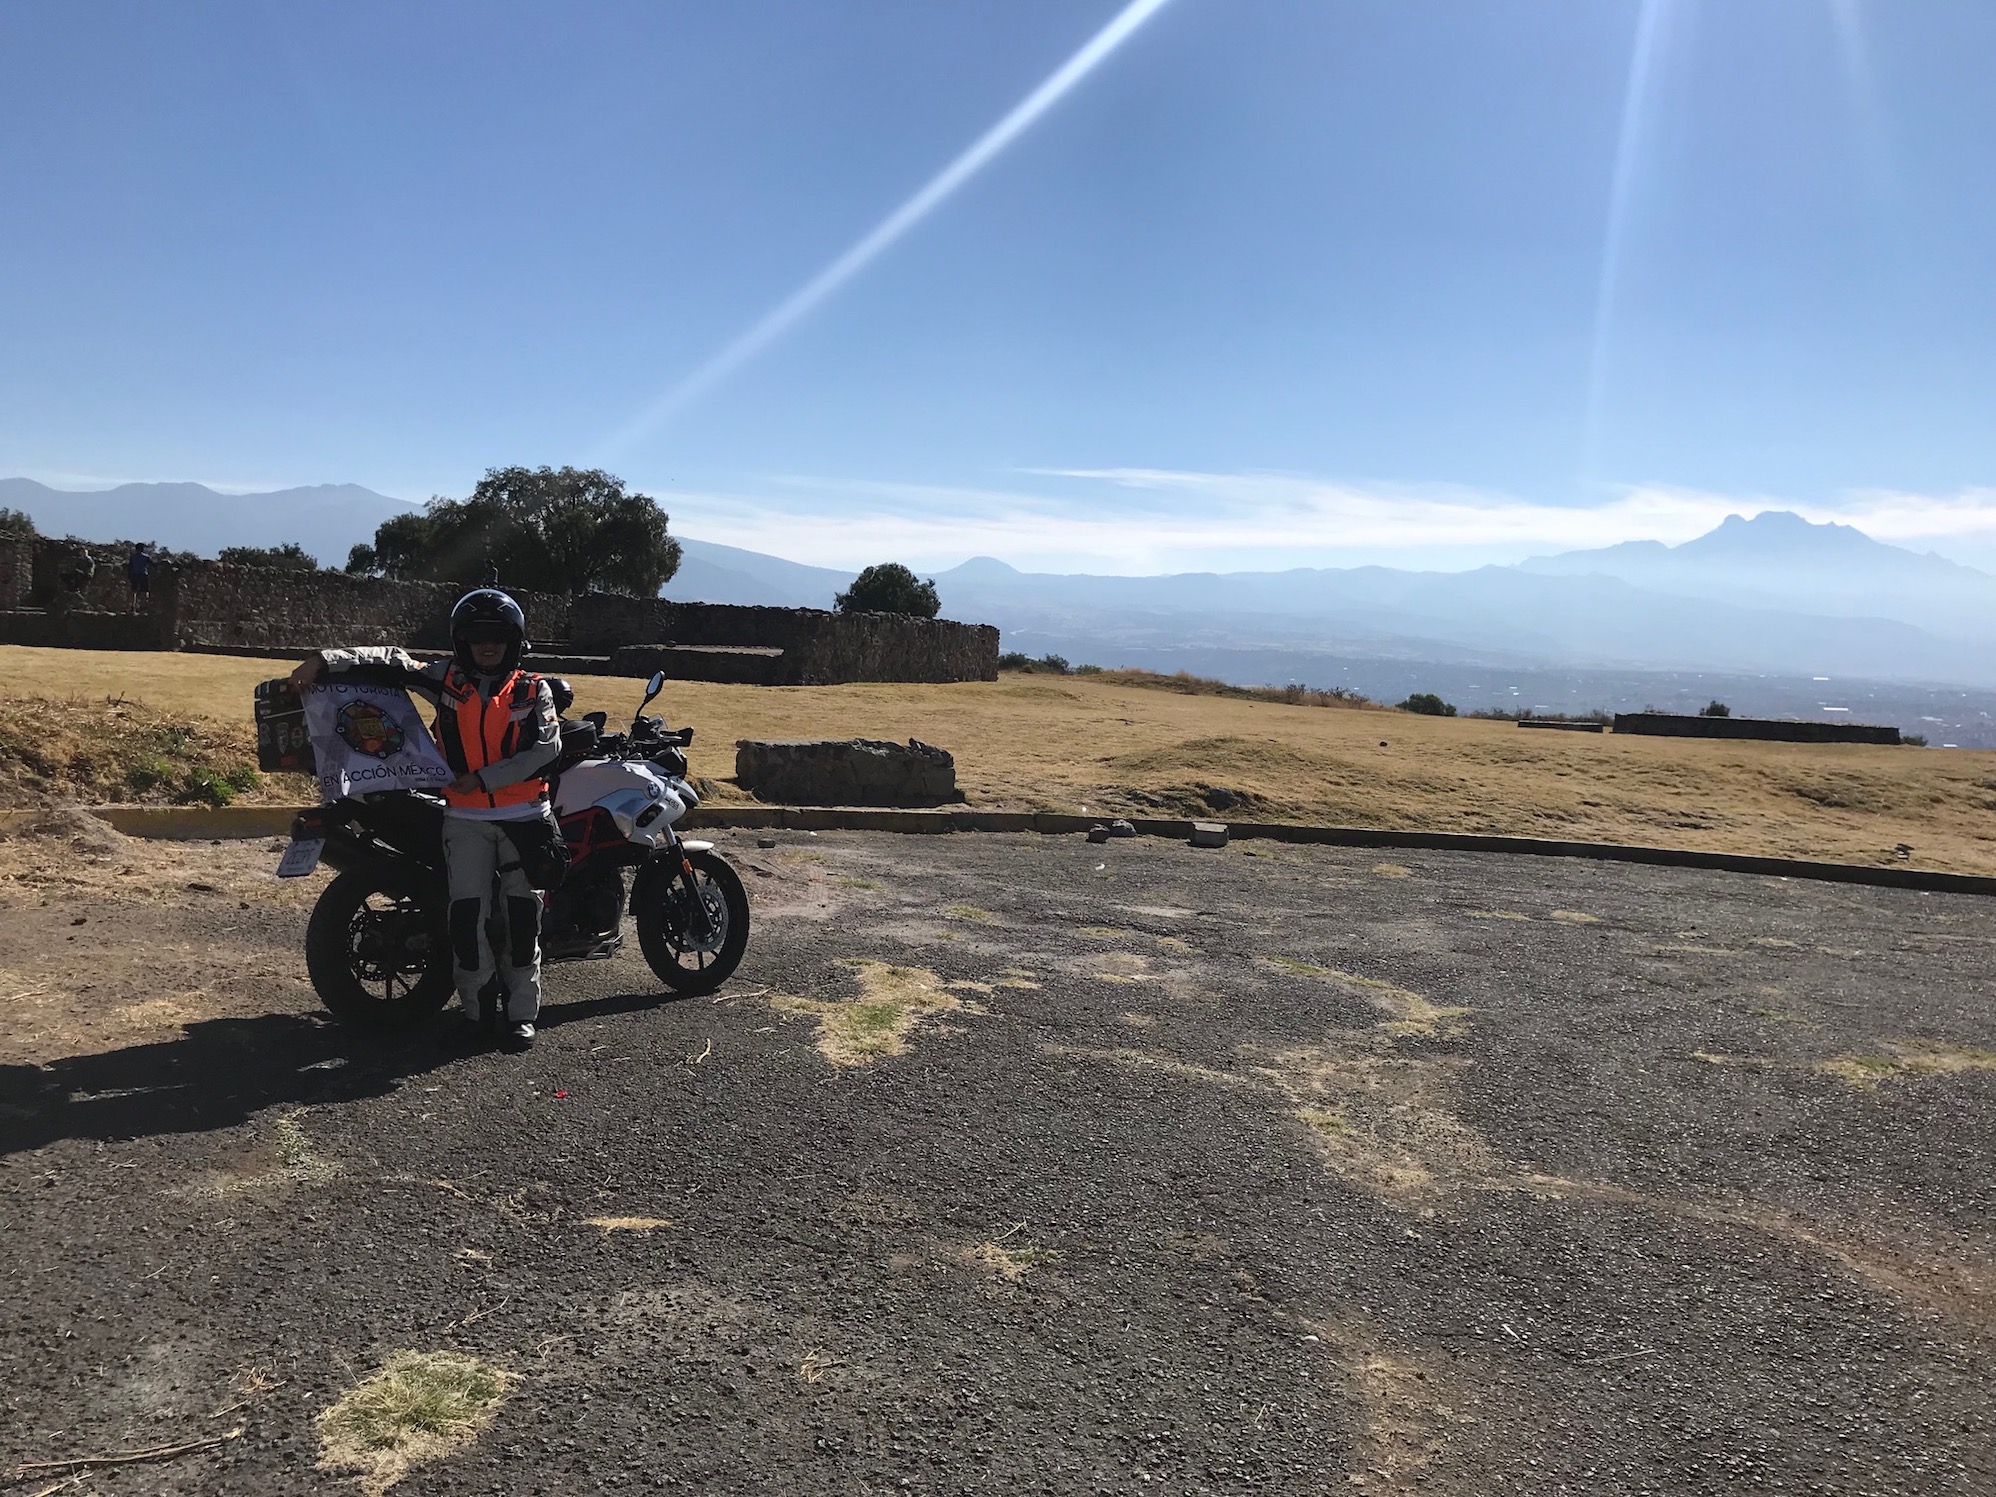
1219	797
765	842
1209	834
1121	829
1098	834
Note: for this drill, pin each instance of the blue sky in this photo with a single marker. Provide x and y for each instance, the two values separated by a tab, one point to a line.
1277	281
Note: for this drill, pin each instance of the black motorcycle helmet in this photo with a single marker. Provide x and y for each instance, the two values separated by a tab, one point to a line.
487	614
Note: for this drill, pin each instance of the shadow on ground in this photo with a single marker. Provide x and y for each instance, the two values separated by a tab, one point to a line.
219	1073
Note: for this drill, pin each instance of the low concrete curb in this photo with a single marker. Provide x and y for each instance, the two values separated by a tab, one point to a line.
179	823
185	823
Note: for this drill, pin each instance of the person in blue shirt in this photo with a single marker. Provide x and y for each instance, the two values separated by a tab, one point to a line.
138	572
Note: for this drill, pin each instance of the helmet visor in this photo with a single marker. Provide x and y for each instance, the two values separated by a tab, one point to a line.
484	633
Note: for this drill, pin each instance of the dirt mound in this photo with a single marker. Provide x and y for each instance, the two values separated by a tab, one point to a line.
83	832
120	751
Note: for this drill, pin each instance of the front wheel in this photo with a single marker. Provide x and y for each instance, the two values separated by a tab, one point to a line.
688	954
376	952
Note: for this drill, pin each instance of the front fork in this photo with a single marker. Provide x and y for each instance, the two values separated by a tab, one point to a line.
676	850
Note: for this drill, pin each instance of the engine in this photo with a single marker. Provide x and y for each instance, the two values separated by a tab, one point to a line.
584	911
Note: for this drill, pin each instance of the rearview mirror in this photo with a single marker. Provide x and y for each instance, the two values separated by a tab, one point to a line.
652	688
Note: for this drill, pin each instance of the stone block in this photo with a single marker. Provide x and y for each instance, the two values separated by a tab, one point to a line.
845	772
1209	834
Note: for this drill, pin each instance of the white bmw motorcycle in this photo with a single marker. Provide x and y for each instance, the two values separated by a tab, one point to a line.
377	948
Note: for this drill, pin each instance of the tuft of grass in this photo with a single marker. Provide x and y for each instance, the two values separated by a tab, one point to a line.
892	1001
1011	1263
1908	1059
301	1161
148	774
609	1224
206	787
417	1408
968	912
1409	1015
1324	1119
1300	968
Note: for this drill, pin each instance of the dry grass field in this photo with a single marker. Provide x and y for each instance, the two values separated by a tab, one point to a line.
1057	743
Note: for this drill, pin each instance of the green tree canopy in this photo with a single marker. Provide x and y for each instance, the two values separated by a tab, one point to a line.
556	530
890	588
289	557
1428	705
15	524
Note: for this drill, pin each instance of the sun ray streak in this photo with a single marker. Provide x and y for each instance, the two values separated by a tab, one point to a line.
1621	195
1847	17
807	297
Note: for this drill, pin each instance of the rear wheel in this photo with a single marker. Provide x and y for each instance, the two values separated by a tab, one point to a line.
688	954
377	953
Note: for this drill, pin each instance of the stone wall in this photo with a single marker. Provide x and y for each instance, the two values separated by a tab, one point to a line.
17	572
203	604
1675	725
222	605
107	591
726	665
819	648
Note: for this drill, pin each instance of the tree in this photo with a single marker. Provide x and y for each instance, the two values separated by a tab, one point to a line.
16	525
1715	708
401	548
890	588
557	530
289	557
1428	705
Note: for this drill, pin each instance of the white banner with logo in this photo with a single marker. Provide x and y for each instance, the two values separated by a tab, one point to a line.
370	738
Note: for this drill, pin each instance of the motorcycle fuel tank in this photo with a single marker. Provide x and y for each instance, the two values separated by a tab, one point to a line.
626	789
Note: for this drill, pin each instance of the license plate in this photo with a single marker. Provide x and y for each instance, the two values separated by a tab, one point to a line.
301	857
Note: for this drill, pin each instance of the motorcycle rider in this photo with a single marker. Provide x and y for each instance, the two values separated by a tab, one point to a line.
496	726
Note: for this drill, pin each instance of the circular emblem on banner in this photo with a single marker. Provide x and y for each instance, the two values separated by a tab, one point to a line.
368	730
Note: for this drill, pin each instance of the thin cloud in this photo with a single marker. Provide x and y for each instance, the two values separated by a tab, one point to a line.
1143	520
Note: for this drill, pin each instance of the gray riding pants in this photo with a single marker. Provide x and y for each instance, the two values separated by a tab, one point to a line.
475	854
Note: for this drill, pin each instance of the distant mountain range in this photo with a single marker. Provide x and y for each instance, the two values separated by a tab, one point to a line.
326	519
1774	594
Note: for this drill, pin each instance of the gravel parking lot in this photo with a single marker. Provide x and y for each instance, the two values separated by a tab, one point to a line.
1016	1164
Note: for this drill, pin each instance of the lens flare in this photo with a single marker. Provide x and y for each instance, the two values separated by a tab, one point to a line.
806	298
1621	194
